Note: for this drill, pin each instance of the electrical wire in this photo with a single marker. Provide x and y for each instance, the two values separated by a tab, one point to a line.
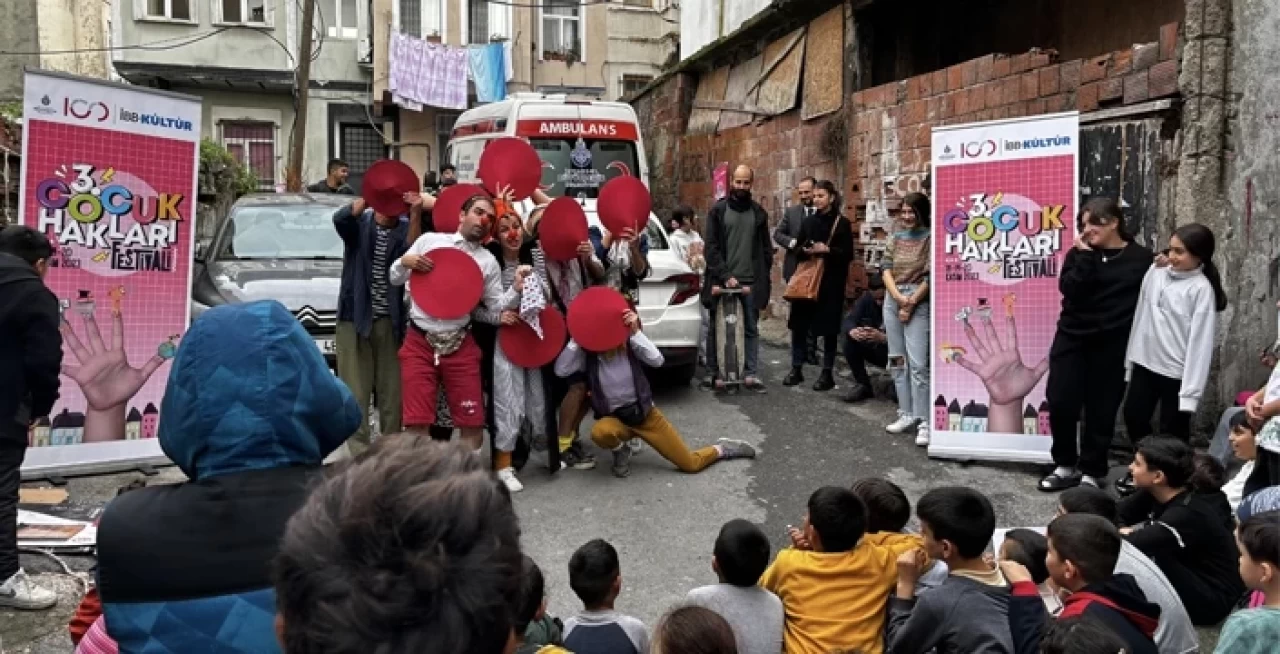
569	4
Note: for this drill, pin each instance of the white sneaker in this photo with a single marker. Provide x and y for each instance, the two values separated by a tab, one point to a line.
19	593
901	425
508	477
636	445
922	435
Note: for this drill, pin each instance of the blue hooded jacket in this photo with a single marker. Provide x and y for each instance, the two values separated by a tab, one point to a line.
249	414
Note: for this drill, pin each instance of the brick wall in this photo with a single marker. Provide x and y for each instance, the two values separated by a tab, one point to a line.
883	152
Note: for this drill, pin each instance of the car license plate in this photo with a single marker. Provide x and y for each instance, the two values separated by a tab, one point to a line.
326	346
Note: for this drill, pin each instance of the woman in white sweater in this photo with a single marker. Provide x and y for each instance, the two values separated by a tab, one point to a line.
1171	343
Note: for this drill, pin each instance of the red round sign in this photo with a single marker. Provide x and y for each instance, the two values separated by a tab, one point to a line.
453	287
510	162
624	204
385	184
523	347
595	319
446	215
562	229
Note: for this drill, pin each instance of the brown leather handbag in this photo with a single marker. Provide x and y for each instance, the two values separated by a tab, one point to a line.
808	274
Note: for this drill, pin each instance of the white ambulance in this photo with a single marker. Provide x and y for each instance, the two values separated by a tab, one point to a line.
583	143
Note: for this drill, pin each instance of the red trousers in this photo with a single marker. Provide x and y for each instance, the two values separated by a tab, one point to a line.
421	377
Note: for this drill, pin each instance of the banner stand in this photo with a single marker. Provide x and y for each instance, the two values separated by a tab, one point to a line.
1005	198
109	174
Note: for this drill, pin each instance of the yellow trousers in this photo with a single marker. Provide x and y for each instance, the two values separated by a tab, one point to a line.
609	433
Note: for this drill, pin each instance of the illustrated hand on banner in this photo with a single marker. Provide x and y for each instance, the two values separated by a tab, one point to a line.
1008	380
104	375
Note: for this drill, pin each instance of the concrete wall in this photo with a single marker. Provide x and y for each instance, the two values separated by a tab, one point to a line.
1249	222
704	21
18	33
641	41
236	48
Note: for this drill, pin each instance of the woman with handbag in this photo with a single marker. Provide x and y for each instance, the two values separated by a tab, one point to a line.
906	315
816	289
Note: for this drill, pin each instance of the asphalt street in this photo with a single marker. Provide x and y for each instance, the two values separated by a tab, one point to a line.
663	522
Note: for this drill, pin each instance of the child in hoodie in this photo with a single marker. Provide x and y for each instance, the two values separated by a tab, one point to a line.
1256	631
1083	550
968	613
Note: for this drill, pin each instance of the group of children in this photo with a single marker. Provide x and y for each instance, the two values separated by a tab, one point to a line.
1133	576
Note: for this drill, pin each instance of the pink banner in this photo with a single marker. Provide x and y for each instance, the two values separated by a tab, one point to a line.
721	178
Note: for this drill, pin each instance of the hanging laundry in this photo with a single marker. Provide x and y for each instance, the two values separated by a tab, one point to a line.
443	80
404	64
488	70
506	60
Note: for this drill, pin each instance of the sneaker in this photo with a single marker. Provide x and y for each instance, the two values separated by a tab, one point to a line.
754	385
636	445
922	435
18	592
622	461
508	477
857	394
576	457
735	449
902	425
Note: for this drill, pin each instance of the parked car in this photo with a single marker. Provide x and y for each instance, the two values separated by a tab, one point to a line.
278	246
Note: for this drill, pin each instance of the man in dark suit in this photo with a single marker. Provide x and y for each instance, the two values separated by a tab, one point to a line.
786	235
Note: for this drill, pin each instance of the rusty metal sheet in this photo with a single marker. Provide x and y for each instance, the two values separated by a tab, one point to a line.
824	65
742	88
779	86
711	88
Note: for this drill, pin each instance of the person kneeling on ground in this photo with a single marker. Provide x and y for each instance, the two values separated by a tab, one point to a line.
623	402
414	548
1083	551
249	413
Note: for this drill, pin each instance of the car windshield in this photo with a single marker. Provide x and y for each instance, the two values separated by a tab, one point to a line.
295	231
577	167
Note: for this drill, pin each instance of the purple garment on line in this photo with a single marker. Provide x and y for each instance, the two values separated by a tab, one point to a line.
427	73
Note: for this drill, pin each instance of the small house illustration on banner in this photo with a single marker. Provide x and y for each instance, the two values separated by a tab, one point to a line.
1030	420
66	428
954	418
150	421
133	425
40	432
969	417
940	421
1044	419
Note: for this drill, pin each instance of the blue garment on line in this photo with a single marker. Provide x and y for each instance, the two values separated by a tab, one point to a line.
488	71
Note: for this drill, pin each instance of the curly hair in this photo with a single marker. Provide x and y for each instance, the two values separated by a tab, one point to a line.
414	548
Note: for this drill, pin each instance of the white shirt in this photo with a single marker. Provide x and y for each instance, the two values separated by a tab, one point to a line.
1234	489
1273	386
680	242
1173	330
493	298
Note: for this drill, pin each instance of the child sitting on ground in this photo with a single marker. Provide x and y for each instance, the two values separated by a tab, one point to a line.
694	630
1083	550
888	511
755	614
1244	445
968	613
1256	631
596	578
1081	635
1176	634
834	592
1185	529
1029	548
536	632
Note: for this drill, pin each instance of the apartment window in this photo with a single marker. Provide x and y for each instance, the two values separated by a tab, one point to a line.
253	144
638	3
632	84
169	9
360	145
478	21
562	30
444	130
342	21
252	12
411	18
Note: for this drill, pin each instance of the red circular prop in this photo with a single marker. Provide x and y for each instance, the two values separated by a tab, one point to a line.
446	215
510	162
562	229
453	287
522	345
595	319
385	184
624	204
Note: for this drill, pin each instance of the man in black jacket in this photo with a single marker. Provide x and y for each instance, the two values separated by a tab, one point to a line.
30	360
739	254
787	235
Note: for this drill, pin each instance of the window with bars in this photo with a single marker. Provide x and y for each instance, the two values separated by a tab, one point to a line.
632	84
254	145
638	3
562	30
478	21
420	18
360	145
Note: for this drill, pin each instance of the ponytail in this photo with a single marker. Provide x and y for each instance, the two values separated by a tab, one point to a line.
1199	242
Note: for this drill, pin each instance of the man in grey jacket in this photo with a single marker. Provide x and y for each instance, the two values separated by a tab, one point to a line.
787	235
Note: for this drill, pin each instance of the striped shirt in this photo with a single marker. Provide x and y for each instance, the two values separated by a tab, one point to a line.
381	241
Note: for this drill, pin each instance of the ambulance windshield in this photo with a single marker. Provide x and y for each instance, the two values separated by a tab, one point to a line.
577	167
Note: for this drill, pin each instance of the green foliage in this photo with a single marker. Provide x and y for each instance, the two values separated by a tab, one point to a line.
221	173
10	110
